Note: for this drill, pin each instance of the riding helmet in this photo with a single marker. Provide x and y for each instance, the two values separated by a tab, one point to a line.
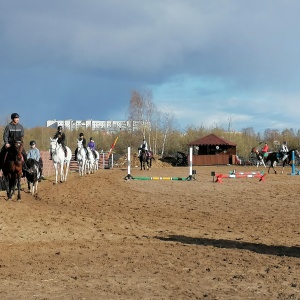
32	143
14	116
81	134
59	128
91	139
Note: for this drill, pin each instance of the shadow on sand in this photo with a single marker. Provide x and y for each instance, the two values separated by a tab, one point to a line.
228	244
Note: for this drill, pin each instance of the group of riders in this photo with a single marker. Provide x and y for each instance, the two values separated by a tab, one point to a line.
14	132
283	152
61	137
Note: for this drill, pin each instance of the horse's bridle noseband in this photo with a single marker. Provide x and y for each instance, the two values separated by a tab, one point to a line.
57	146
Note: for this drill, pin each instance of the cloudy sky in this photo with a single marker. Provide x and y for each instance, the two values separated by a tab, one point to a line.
207	62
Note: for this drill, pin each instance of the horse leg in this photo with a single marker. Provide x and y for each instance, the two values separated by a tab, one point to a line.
273	166
56	173
61	172
7	185
67	170
19	188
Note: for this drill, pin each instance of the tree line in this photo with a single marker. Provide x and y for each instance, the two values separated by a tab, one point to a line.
161	132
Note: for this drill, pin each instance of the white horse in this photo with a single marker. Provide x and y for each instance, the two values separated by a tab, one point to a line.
81	158
59	158
90	161
96	163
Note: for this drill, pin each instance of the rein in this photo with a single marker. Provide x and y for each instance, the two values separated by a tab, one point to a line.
57	146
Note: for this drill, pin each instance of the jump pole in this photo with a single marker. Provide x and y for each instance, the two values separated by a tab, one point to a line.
189	178
295	171
128	165
261	176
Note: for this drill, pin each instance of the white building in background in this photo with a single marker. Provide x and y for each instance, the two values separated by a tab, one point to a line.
105	126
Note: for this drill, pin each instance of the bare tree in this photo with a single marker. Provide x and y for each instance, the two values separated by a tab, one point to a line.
142	108
167	125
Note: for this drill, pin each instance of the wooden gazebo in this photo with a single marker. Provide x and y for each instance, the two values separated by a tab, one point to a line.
213	150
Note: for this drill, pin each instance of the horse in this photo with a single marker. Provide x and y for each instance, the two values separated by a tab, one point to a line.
97	157
145	159
259	157
13	169
274	158
60	158
91	162
81	158
33	175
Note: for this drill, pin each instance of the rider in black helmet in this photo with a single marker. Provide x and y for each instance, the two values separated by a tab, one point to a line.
81	138
13	131
34	153
61	137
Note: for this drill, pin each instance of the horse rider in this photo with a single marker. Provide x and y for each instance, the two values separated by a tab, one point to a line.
82	138
92	146
13	131
284	151
144	146
61	137
265	150
34	153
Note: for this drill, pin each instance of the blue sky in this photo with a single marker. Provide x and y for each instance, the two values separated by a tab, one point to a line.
205	61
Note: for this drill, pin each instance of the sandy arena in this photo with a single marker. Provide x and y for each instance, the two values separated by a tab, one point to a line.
103	237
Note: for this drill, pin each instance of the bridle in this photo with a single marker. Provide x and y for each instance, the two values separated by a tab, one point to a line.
57	146
16	149
79	145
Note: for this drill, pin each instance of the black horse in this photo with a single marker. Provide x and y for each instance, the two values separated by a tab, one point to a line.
146	158
32	175
12	169
274	158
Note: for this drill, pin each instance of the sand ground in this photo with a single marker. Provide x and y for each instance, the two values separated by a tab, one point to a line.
103	237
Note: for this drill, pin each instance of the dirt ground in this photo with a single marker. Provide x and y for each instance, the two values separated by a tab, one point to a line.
104	237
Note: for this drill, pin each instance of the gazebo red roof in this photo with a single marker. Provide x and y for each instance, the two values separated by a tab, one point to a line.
211	139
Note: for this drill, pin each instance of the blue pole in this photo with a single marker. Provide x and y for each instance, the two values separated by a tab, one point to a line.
293	163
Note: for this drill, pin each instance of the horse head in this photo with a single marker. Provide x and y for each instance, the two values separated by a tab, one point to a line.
79	144
53	145
254	150
15	150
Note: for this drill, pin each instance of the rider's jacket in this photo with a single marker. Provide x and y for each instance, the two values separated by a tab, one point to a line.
284	148
60	136
13	132
144	145
91	145
34	153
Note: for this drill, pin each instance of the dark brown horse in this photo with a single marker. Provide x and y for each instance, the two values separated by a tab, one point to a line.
274	158
12	169
146	159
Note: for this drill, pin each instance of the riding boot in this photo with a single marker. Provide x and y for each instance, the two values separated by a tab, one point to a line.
1	160
50	156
